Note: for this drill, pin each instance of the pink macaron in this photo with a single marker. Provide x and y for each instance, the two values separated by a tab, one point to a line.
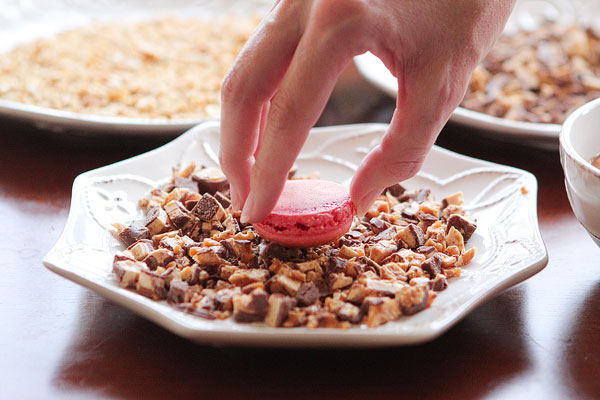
309	213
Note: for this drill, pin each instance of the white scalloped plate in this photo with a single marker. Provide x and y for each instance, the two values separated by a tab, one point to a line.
23	21
510	248
527	14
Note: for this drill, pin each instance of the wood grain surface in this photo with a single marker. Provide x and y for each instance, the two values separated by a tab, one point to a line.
540	339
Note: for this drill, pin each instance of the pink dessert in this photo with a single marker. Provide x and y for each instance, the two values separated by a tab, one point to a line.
309	213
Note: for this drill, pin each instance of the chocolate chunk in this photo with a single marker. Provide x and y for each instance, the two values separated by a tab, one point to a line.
141	249
275	250
419	196
224	200
425	249
186	183
244	251
370	301
190	204
229	253
387	234
178	291
462	224
433	265
394	257
378	225
284	284
159	257
279	307
151	285
207	302
134	232
370	265
395	190
127	271
124	255
411	236
189	245
224	298
231	224
339	281
412	299
423	195
349	312
352	238
324	289
156	220
178	214
337	264
426	218
439	283
308	294
355	235
217	226
211	181
207	208
410	213
198	312
251	307
455	199
243	277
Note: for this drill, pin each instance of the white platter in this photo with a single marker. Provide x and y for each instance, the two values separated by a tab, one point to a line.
510	248
527	14
23	21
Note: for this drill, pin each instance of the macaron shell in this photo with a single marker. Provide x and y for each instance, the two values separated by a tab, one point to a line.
309	213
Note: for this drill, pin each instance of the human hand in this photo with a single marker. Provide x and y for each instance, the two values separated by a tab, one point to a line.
282	79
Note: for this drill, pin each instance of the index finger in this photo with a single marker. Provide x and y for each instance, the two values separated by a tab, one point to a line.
248	86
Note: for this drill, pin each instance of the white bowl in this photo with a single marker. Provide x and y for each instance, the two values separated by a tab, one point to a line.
579	142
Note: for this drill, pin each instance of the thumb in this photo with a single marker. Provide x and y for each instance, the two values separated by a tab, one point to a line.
398	157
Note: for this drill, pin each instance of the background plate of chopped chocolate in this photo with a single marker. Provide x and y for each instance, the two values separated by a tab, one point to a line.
545	65
120	67
156	234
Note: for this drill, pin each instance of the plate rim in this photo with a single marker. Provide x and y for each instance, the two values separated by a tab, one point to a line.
277	337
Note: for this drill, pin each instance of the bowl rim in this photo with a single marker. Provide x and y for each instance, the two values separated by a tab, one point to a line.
565	137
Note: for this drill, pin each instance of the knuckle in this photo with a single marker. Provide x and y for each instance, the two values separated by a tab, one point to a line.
283	115
336	10
232	88
341	15
393	168
225	164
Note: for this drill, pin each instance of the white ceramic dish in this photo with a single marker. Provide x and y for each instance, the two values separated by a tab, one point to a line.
25	21
510	248
579	142
527	14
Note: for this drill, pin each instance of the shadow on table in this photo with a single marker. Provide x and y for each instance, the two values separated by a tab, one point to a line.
119	354
582	375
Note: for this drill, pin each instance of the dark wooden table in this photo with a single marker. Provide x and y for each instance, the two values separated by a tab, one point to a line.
540	339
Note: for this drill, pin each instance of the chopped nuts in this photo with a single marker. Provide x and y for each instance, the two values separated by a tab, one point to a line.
166	68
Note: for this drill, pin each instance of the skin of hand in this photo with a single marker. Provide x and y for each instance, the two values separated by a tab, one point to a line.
280	82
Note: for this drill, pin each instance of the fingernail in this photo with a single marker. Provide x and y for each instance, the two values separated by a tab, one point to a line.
236	203
248	210
366	201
